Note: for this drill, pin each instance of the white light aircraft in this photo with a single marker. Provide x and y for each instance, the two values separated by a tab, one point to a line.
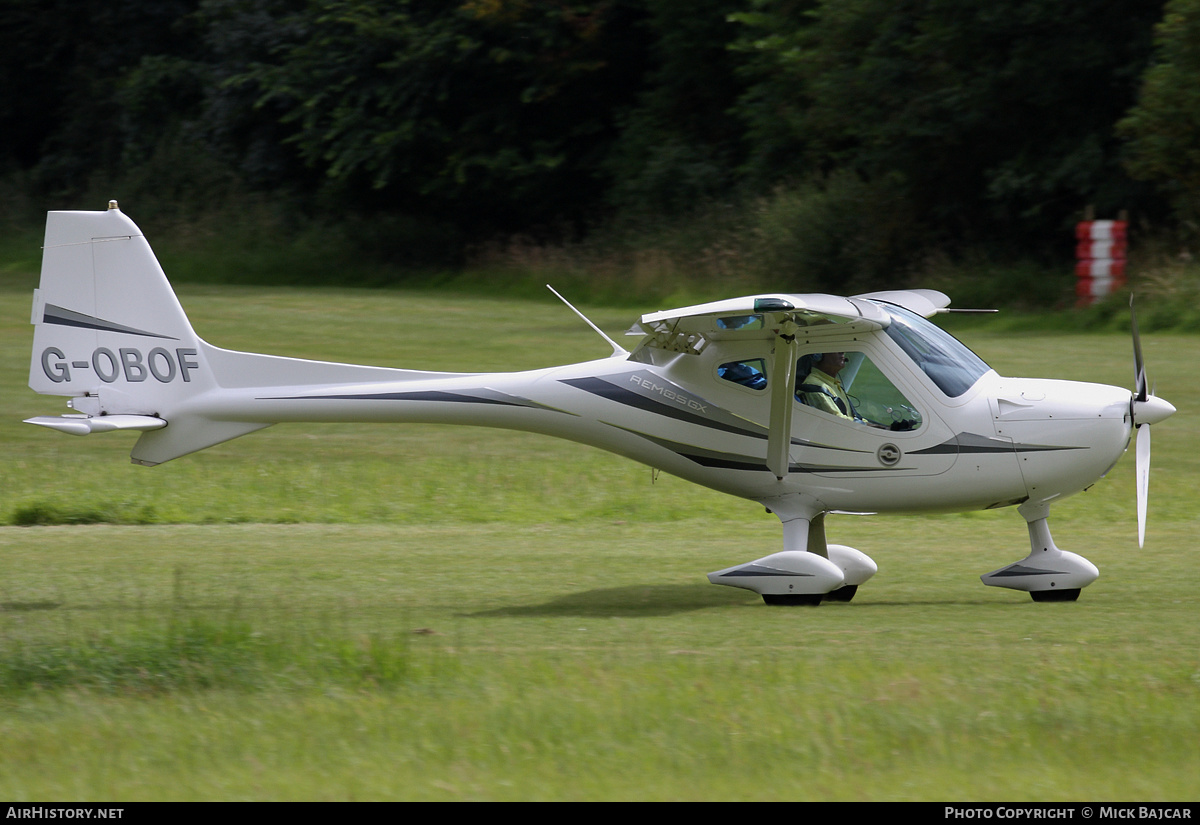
808	404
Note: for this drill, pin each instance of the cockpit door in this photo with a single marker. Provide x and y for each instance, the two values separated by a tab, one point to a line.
890	426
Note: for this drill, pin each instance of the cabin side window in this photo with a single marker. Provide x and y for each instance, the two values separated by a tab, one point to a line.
739	322
750	372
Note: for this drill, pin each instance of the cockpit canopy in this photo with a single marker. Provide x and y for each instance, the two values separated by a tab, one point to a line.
941	356
900	314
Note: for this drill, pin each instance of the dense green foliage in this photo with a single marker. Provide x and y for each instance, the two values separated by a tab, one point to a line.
1165	123
848	140
987	116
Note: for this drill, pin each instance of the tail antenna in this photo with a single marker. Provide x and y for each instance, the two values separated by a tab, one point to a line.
617	349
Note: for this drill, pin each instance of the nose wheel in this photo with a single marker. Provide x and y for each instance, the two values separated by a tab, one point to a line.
1048	574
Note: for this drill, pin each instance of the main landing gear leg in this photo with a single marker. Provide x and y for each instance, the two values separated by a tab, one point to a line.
1048	574
809	569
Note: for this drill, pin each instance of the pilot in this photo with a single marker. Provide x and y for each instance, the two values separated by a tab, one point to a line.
821	388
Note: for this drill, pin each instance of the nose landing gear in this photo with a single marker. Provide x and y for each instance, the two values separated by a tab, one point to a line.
1048	574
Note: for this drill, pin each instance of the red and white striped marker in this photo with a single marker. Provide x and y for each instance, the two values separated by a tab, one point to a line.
1100	251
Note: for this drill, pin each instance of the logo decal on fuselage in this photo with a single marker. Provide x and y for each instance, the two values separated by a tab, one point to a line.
673	394
889	455
646	391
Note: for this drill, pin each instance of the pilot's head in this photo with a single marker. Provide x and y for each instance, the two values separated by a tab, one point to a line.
830	363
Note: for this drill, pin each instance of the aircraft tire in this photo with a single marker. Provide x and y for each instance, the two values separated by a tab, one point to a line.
843	594
1067	595
792	599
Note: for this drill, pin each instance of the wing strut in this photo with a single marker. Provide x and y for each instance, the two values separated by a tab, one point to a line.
783	389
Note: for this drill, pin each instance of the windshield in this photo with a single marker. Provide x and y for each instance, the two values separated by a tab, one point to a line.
940	355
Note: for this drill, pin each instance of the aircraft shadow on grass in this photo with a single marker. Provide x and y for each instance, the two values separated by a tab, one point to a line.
664	600
630	601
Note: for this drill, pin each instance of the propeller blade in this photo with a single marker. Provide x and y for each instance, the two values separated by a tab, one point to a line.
1145	408
1139	364
1143	479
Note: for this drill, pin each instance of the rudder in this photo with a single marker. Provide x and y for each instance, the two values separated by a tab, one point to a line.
106	317
110	333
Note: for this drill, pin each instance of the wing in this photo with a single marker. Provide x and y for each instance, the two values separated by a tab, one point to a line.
924	302
812	305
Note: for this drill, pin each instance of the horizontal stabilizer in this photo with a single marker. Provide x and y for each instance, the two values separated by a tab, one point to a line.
187	435
88	424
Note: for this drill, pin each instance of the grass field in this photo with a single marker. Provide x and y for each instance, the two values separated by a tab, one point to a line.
428	613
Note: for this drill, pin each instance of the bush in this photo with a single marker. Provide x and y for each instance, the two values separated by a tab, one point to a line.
841	234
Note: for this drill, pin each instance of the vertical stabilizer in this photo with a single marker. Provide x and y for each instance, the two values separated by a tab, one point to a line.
110	333
105	317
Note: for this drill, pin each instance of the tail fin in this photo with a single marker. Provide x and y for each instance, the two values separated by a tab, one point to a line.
110	333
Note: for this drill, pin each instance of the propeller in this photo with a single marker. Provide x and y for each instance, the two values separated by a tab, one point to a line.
1144	409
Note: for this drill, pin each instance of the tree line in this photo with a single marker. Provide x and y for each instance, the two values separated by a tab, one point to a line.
915	124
